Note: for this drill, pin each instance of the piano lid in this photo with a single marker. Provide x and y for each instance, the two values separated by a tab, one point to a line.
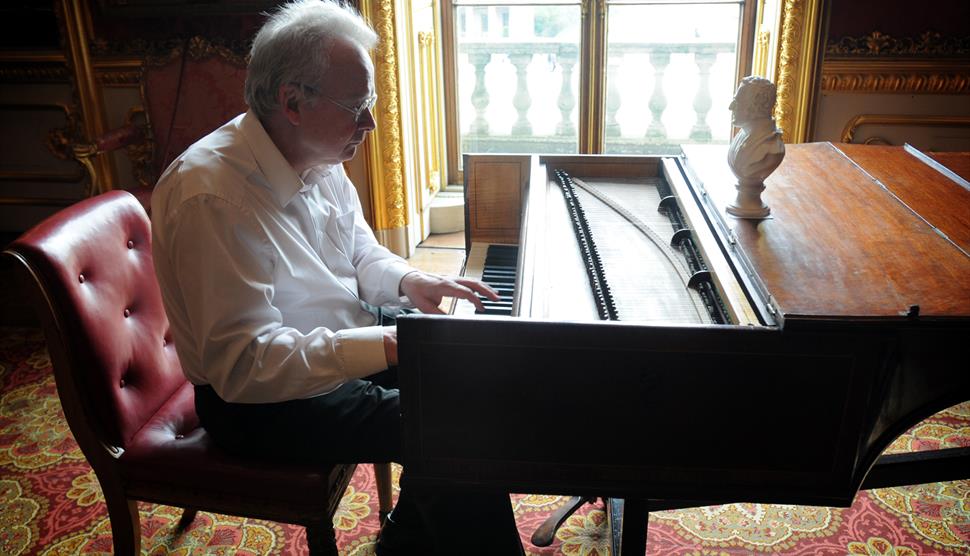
855	232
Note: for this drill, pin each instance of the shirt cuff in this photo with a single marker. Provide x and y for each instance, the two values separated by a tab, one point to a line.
393	276
361	350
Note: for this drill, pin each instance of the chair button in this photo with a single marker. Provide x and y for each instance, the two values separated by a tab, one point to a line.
131	244
122	383
80	278
127	313
179	436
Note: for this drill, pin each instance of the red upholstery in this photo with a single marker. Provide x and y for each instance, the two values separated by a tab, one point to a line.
209	93
89	271
96	258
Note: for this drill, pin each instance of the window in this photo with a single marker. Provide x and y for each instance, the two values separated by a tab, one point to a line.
592	76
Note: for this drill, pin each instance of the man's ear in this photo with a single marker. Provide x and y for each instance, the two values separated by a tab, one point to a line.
289	103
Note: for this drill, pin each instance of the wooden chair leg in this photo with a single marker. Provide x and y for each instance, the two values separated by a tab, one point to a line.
320	539
125	524
382	472
188	515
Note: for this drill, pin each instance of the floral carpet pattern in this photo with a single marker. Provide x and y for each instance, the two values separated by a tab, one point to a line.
51	504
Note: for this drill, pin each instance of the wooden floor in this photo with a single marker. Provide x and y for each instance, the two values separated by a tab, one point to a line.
440	254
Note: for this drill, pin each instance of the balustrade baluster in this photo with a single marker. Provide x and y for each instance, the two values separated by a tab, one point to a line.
480	100
702	101
567	58
656	131
522	100
613	100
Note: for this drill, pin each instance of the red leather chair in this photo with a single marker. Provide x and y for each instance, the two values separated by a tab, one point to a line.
90	274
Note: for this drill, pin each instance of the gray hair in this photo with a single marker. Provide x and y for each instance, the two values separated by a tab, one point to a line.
294	45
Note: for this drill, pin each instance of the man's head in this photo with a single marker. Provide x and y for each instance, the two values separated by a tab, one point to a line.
754	99
309	67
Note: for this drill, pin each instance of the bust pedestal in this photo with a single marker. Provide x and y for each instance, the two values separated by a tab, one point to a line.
748	203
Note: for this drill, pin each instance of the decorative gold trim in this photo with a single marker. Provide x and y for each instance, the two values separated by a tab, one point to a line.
848	132
385	160
876	43
120	73
161	52
33	67
939	76
796	67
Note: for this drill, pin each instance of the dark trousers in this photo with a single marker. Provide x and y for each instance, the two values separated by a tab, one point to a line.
360	422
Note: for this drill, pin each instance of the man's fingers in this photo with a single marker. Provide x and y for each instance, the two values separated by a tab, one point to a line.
478	286
459	290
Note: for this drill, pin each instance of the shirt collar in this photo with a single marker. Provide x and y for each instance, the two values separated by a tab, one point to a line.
281	178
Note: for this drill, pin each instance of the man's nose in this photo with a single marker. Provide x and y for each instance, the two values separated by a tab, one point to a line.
367	121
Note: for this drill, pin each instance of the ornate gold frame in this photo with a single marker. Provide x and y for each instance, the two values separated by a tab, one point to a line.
797	67
93	119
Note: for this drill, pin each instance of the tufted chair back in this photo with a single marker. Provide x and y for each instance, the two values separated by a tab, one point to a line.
115	355
89	273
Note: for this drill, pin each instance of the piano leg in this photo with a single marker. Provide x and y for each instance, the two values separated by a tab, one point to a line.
627	523
547	531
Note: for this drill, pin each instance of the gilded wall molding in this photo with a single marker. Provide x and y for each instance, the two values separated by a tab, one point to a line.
798	58
848	132
855	75
161	52
876	43
385	159
12	74
57	142
929	63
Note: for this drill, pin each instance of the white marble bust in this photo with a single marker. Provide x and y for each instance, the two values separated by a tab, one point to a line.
757	149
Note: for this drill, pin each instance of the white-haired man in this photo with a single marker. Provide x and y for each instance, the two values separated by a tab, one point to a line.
273	281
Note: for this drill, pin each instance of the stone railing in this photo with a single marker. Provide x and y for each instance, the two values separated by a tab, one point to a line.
482	136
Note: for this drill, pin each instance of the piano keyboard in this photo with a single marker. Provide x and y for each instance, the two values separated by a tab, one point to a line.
495	265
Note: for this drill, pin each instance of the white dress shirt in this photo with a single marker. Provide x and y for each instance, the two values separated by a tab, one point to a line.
263	271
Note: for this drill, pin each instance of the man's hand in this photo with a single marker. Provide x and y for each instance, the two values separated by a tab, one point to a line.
426	290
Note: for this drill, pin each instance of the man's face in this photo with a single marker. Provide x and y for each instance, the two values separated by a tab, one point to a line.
740	107
331	131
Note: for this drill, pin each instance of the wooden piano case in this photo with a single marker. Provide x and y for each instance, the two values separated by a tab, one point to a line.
850	306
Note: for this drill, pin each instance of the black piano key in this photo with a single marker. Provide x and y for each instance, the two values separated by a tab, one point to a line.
494	311
498	272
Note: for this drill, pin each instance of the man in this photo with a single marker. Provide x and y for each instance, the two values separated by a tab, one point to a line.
272	279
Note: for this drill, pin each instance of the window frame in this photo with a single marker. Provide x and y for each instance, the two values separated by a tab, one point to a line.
592	74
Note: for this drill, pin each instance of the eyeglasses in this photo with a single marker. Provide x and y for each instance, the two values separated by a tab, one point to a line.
357	111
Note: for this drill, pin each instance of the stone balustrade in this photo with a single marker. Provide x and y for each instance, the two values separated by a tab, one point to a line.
482	135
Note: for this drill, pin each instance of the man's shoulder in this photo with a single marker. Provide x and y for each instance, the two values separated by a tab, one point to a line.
217	165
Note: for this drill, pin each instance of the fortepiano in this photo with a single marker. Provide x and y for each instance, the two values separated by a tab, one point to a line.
762	361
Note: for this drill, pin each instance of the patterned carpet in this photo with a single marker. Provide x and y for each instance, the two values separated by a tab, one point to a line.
50	502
